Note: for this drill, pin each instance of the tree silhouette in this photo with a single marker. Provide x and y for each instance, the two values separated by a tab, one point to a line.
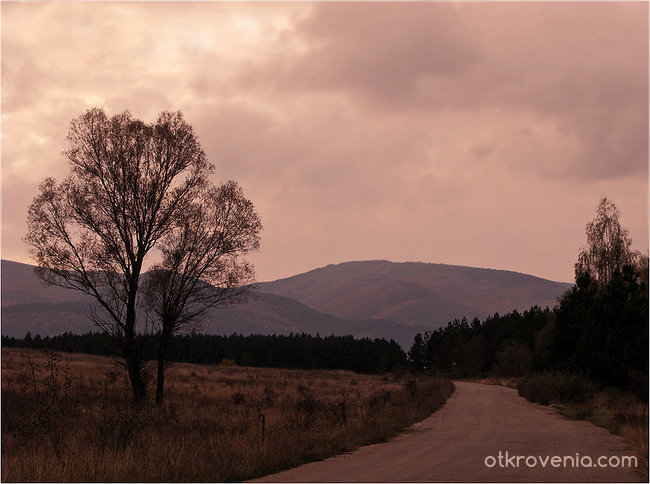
602	322
608	245
418	353
202	266
129	184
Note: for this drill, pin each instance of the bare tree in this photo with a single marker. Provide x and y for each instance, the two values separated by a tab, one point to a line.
129	184
608	246
202	265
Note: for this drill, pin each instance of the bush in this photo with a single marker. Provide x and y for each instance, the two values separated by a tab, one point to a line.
513	359
556	387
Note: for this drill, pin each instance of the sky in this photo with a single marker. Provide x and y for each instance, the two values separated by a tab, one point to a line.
477	134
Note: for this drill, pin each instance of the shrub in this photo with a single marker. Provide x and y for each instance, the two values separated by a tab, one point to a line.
513	359
556	387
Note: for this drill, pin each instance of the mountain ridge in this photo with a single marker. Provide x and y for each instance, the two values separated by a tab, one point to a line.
360	288
376	299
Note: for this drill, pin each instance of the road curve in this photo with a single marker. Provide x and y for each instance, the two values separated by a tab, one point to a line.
476	423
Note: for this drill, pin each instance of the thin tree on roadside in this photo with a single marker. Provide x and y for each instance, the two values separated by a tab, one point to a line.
601	325
608	246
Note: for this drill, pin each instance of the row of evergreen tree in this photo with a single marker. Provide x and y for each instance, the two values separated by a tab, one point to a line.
598	329
501	345
300	351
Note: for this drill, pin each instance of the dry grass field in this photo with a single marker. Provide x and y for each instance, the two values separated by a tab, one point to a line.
68	417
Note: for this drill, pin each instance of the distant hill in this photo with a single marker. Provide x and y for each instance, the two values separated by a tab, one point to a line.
414	292
21	286
271	314
365	299
27	305
264	314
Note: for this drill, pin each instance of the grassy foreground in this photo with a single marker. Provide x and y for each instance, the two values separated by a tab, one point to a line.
576	397
69	418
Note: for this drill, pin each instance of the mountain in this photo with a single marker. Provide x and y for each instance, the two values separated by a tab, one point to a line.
264	314
365	299
415	292
21	286
46	318
28	305
271	314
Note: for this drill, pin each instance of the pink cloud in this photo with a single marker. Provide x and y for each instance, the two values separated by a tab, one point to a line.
469	133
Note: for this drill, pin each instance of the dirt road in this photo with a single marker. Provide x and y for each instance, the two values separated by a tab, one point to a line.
456	443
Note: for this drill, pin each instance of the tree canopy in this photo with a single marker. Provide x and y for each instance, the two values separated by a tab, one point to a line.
130	186
608	246
599	329
202	265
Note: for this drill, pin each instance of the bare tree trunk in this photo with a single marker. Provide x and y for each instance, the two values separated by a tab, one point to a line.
134	367
160	377
137	382
131	350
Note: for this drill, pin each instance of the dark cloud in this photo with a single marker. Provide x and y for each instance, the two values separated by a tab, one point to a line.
383	50
583	66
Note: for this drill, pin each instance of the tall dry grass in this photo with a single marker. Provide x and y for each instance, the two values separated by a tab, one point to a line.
576	397
69	418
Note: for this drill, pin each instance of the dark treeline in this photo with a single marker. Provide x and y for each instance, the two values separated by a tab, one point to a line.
599	329
501	345
299	351
602	329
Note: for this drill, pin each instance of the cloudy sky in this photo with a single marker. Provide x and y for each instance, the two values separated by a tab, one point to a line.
478	134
